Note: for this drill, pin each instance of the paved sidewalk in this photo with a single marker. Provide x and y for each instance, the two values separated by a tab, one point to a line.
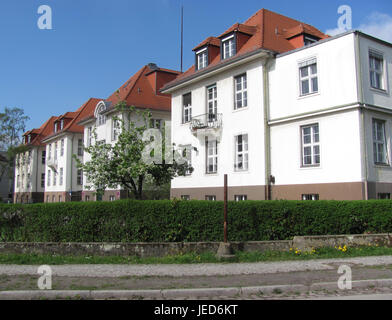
271	280
175	270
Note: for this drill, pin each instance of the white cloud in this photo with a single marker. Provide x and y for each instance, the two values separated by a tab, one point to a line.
378	25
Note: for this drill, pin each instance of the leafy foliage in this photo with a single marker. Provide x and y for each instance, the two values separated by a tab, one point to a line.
190	221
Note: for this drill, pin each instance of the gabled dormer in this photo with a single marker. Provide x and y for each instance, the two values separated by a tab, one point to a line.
206	52
301	35
233	39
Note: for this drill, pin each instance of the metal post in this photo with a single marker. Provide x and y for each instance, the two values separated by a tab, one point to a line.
225	210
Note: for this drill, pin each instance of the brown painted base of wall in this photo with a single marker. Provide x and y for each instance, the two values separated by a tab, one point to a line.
62	196
252	193
107	196
326	191
28	197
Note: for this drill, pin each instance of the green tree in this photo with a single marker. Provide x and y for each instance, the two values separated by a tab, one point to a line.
12	126
124	163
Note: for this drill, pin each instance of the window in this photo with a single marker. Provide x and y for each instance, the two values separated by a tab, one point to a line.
310	197
42	180
29	138
308	77
241	94
156	124
101	119
50	151
80	147
23	177
62	148
228	47
202	59
55	127
55	151
28	180
49	178
310	145
241	197
61	124
376	67
212	103
379	145
211	198
241	153
43	157
87	198
309	40
112	198
53	198
185	197
89	136
115	129
383	196
187	108
54	178
47	198
61	176
29	157
18	181
187	156
79	179
60	198
211	156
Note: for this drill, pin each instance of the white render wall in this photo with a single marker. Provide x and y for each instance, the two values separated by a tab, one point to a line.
340	151
66	162
249	121
336	77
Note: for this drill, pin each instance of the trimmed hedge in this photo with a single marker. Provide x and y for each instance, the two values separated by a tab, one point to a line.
190	221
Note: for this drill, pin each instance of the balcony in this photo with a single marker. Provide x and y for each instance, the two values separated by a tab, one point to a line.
52	163
206	121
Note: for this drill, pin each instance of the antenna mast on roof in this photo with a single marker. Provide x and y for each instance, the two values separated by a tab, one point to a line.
182	33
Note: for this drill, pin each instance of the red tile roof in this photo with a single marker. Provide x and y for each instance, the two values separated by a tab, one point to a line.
86	109
209	41
42	132
138	90
267	30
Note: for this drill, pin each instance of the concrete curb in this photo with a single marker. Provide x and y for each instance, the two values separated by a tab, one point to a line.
191	293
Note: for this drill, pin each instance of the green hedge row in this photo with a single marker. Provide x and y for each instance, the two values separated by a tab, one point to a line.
171	221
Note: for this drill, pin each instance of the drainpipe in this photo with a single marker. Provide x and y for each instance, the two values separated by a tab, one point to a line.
364	150
267	137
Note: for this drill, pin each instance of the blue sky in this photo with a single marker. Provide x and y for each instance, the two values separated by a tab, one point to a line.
96	45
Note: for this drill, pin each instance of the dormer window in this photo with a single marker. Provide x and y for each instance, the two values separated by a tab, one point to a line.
55	127
228	47
309	40
62	124
202	59
29	138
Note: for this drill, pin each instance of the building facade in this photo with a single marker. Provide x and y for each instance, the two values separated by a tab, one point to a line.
286	112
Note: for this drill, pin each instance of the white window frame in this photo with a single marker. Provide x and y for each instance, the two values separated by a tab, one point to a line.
43	180
308	65
212	102
210	198
80	147
54	178
101	119
115	129
62	147
211	156
61	176
89	136
241	154
202	59
376	75
240	90
79	177
50	151
310	197
240	197
377	142
186	110
55	151
313	144
228	47
49	174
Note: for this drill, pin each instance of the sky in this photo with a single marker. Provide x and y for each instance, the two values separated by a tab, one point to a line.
94	46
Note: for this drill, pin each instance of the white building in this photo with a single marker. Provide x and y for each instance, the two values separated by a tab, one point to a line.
140	91
64	181
29	176
287	112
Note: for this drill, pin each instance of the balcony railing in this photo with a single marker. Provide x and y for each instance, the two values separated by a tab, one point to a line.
52	163
206	121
